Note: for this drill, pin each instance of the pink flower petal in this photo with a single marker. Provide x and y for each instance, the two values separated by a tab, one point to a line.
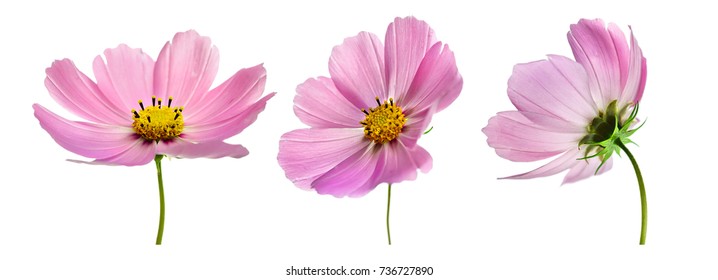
354	176
622	54
437	80
595	48
76	92
585	169
421	158
185	67
415	126
230	98
642	84
523	136
185	149
223	129
407	41
307	154
401	163
392	162
357	69
319	104
108	144
565	161
125	78
140	153
636	78
395	164
555	87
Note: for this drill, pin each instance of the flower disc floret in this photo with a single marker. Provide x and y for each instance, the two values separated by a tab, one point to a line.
157	123
384	122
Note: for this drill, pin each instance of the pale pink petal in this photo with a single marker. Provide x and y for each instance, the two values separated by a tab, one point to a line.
421	158
223	129
415	126
140	153
185	68
586	168
565	161
437	80
76	92
319	104
555	87
594	47
397	164
401	163
636	80
619	42
357	69
229	99
109	144
355	175
407	41
307	154
356	188
523	136
184	149
642	84
125	78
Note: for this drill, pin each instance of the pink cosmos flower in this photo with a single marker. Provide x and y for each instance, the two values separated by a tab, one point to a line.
579	112
141	109
366	118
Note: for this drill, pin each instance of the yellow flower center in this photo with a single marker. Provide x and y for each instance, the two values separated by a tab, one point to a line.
157	123
384	122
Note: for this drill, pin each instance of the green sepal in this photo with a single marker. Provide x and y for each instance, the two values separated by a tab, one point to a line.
605	132
427	132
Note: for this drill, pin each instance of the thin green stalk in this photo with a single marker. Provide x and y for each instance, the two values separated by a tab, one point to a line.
641	189
388	205
161	228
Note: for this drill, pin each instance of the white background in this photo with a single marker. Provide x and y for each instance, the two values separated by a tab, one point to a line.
242	219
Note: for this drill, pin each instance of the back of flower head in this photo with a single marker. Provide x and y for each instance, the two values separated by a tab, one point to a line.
580	112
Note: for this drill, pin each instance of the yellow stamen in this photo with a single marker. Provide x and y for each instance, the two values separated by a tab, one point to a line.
157	123
384	122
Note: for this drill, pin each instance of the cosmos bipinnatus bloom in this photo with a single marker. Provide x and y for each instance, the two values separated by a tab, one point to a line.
141	109
366	118
579	112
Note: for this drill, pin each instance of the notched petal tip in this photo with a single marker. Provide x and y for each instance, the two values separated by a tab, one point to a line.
190	34
56	63
410	20
589	22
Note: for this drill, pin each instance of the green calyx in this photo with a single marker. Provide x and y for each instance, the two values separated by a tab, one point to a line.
606	131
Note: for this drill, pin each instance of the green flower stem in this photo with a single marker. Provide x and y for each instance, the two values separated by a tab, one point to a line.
388	205
641	188
161	229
